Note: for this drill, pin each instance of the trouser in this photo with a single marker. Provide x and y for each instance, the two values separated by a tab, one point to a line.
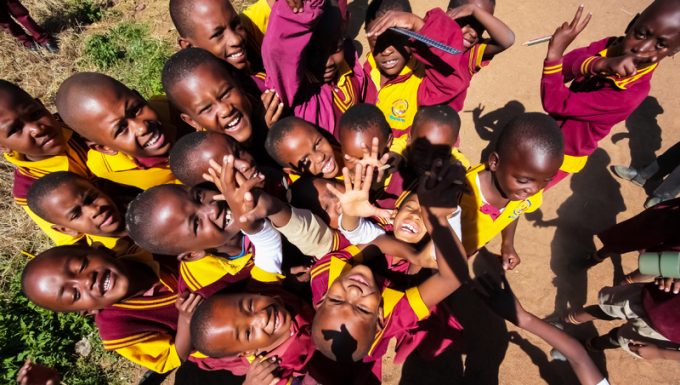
14	9
668	164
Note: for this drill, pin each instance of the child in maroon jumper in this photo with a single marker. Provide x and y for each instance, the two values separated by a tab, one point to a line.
609	78
14	9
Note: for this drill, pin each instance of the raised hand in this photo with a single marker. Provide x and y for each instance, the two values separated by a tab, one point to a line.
355	200
371	157
261	372
439	189
36	374
566	33
395	19
620	66
187	303
464	10
273	107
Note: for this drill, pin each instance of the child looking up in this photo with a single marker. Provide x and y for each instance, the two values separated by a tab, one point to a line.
301	148
129	139
528	155
137	309
310	64
36	143
439	126
355	317
609	78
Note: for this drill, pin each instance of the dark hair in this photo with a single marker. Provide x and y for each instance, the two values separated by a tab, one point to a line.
362	117
180	13
201	322
277	133
139	212
442	114
532	130
378	7
10	87
45	186
181	65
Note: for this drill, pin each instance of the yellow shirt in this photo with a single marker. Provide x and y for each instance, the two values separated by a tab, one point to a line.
477	222
121	168
255	19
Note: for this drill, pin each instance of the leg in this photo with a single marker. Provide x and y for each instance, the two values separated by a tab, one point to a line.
9	25
607	341
587	314
668	161
668	189
20	13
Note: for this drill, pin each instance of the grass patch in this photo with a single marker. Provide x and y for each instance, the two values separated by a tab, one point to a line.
128	53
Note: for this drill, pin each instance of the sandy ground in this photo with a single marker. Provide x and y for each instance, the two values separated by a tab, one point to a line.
546	281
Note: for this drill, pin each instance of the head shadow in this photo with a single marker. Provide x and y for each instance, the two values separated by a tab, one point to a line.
490	125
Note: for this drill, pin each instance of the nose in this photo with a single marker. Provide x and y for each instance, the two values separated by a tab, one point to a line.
234	39
644	46
387	51
138	127
91	210
225	109
243	166
36	130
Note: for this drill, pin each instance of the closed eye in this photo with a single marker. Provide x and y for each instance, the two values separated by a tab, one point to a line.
218	32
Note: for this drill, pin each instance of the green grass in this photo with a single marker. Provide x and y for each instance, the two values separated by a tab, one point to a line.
128	53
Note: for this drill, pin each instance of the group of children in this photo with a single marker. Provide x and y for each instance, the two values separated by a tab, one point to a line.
285	210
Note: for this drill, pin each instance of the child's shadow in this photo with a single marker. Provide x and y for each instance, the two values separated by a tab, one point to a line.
490	125
644	133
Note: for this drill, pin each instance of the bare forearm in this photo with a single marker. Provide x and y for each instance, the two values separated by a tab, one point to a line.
502	36
508	234
183	339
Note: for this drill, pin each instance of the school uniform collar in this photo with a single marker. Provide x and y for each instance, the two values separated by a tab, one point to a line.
124	162
624	82
344	74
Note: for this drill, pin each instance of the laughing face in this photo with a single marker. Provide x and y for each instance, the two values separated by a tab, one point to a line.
408	223
248	324
216	27
80	279
471	28
77	206
117	119
28	128
306	151
191	220
211	100
391	53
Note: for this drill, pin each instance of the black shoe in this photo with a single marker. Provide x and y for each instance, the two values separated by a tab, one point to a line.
51	46
31	46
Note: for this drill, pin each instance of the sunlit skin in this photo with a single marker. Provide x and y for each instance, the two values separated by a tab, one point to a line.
354	142
211	100
117	119
306	150
78	207
248	324
653	36
192	221
353	300
473	30
408	224
215	148
328	202
517	175
217	28
391	53
28	128
82	279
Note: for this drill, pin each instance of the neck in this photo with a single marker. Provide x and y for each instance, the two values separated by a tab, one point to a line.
142	278
491	190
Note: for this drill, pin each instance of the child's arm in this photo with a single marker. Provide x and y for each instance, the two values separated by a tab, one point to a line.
288	33
186	305
503	302
501	35
650	351
510	257
436	192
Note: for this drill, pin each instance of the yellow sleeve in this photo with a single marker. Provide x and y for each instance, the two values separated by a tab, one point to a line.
120	169
399	144
57	237
416	302
265	276
455	152
155	351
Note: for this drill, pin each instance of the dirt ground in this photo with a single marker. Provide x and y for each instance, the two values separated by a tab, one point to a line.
547	281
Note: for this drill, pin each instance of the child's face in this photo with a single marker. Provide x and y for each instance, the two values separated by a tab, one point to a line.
408	223
82	280
80	207
216	148
217	28
654	35
307	151
521	174
328	202
251	323
120	120
390	51
212	101
191	220
28	128
352	143
334	62
352	303
471	28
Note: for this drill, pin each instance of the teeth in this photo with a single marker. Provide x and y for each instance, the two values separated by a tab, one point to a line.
107	282
234	122
408	228
235	55
328	167
153	140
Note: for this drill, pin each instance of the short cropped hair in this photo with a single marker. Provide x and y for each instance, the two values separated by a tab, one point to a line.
361	117
201	322
11	88
137	221
458	3
532	130
442	114
277	133
180	13
378	7
182	153
44	187
182	64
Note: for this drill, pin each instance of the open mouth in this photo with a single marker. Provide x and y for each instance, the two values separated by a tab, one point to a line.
107	221
328	167
389	64
156	141
358	278
409	228
106	282
223	215
233	123
236	56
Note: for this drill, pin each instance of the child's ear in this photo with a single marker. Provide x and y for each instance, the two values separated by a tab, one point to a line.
493	161
66	230
188	120
191	256
184	43
381	319
632	22
100	148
